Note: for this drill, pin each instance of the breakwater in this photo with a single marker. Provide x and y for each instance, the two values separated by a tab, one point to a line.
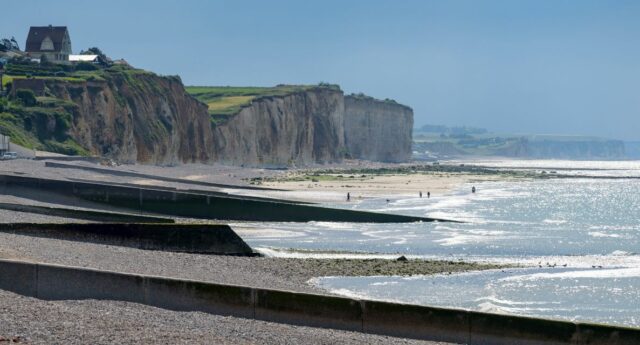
187	238
194	205
56	282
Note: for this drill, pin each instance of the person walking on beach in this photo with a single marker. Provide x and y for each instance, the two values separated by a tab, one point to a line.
428	195
348	196
473	189
421	194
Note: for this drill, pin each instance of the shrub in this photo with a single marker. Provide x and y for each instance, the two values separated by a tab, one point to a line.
27	97
85	66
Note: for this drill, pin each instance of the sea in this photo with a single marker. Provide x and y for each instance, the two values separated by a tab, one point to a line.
572	245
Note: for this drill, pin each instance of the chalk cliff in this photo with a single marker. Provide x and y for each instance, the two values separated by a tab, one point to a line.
377	130
136	116
300	128
313	125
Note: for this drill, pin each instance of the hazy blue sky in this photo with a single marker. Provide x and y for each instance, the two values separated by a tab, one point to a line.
551	66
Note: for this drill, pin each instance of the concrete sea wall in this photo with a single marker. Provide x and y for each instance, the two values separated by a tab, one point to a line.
54	282
193	204
187	238
91	215
153	177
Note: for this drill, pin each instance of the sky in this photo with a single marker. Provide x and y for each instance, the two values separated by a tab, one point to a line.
530	67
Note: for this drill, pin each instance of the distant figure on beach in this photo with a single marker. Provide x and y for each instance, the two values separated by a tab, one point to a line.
388	201
428	195
473	189
348	196
421	194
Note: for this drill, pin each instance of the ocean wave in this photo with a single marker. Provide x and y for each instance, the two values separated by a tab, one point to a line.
602	234
631	272
554	221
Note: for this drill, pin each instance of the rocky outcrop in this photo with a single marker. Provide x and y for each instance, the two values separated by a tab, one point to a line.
136	116
377	130
301	128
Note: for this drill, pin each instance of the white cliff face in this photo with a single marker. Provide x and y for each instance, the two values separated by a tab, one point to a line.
146	119
150	119
377	130
301	128
314	127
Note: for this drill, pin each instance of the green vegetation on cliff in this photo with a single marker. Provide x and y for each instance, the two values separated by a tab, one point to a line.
44	122
43	125
226	101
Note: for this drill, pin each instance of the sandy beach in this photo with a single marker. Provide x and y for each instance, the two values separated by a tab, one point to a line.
313	184
334	187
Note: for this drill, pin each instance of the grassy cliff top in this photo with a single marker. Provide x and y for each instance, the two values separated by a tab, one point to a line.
225	101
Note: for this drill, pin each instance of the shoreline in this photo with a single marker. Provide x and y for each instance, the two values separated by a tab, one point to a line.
294	274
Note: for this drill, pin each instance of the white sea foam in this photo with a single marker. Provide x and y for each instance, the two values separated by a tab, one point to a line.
602	234
265	233
632	272
554	221
332	225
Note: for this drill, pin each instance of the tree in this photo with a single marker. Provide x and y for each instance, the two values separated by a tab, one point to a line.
95	51
85	66
27	97
44	60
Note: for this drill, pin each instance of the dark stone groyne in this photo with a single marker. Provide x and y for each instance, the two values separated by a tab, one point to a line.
189	190
97	216
55	282
193	204
152	177
185	238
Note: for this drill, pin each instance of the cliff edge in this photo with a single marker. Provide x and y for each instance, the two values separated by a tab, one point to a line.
126	114
300	125
377	130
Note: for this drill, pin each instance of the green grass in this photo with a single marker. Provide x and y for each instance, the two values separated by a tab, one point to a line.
13	127
221	108
10	78
225	101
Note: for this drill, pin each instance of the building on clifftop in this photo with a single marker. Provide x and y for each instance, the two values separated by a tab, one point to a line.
53	42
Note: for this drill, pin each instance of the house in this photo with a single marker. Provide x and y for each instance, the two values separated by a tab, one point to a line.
52	42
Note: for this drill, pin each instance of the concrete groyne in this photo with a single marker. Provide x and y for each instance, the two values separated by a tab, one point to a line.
186	238
91	215
195	205
56	282
152	177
